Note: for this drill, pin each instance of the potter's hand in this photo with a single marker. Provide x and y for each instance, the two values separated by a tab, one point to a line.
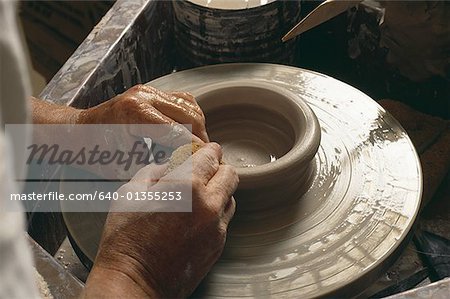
167	254
143	104
138	106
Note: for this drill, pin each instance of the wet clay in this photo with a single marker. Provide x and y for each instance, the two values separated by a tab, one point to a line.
270	135
250	136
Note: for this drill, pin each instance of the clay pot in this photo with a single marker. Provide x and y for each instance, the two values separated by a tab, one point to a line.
268	133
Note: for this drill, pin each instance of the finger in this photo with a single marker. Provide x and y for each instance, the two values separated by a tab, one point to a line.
192	103
185	95
183	114
149	115
155	97
149	174
172	136
146	92
206	162
223	184
169	133
202	134
190	100
181	107
176	109
182	99
152	90
229	210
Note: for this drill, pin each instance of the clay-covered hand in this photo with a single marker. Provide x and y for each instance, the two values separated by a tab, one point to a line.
167	254
140	104
144	104
140	108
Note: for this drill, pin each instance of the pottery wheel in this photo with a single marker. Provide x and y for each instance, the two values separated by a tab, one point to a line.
351	223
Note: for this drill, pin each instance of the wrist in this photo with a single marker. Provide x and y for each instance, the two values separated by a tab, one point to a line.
132	265
100	114
44	112
71	115
109	282
84	117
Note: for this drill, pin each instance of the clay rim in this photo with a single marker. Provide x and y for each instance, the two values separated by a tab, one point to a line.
298	157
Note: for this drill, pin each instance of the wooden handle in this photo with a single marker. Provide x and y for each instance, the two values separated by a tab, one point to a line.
322	13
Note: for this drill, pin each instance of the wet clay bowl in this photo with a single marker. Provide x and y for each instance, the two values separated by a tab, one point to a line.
268	133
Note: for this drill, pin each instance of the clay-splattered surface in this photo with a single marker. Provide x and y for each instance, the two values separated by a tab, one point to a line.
113	58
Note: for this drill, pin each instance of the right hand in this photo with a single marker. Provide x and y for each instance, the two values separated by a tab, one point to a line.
168	254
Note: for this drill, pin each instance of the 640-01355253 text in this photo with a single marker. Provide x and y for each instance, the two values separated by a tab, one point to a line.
136	195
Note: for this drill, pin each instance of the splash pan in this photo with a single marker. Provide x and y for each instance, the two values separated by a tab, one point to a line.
347	228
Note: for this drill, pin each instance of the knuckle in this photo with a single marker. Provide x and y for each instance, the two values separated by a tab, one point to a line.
216	149
135	88
207	206
202	118
188	95
128	105
233	204
129	100
141	88
209	159
185	95
212	209
221	192
230	172
206	211
197	185
221	234
222	230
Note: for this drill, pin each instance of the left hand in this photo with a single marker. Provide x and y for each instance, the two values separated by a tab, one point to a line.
144	104
137	107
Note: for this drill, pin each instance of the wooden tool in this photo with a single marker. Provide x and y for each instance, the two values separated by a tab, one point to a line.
322	13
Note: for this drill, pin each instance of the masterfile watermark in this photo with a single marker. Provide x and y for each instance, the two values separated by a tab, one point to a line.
96	168
53	154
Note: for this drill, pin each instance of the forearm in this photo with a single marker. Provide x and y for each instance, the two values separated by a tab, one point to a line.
107	283
47	113
68	135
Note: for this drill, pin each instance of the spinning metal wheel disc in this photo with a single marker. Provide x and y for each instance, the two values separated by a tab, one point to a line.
351	223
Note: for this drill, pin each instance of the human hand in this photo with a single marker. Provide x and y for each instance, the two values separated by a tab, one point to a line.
167	254
140	104
144	104
134	109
